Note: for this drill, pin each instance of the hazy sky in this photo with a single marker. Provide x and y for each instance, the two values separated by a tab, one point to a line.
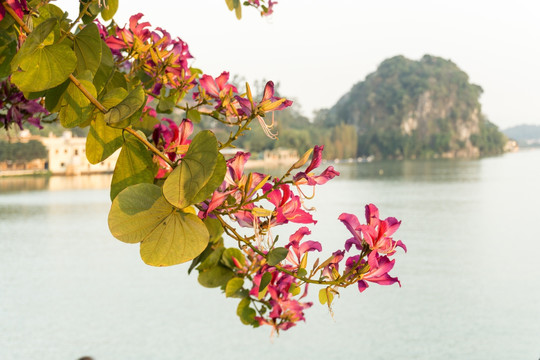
317	50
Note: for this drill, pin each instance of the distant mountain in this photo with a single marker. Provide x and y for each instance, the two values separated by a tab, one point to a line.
525	135
410	109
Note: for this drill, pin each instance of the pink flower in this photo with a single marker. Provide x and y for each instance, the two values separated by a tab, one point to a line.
307	177
173	140
333	264
244	217
286	311
217	88
377	273
376	234
268	103
288	206
297	250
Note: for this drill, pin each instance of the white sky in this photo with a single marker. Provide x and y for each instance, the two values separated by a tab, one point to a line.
318	49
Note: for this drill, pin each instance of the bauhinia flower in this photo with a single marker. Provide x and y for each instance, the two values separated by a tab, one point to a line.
288	206
375	272
298	250
217	88
286	311
376	234
173	140
19	109
307	177
268	103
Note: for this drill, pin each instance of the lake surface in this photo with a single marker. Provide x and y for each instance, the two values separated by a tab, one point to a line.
470	281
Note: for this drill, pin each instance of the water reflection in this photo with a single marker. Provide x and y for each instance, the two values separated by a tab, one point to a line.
467	293
413	170
54	183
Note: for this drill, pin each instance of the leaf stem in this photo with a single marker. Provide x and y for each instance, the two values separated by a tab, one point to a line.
231	231
15	17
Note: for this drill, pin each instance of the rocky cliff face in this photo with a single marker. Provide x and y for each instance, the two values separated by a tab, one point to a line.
409	109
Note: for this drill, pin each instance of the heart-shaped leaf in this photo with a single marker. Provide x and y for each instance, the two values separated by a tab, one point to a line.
104	72
87	47
134	166
277	255
198	174
38	67
111	6
119	115
168	236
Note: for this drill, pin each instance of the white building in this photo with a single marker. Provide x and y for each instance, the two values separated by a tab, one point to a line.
67	156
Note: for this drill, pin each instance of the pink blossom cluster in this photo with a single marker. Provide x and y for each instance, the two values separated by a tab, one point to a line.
17	109
230	104
172	140
375	240
163	59
266	9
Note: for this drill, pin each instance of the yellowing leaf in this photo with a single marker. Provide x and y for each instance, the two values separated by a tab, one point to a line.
167	235
134	166
75	108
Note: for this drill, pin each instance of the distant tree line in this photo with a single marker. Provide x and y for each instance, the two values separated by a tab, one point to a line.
22	152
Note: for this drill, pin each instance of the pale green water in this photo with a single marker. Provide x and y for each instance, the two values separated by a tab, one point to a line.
471	279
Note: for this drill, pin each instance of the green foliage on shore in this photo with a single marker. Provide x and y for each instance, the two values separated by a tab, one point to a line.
411	109
22	152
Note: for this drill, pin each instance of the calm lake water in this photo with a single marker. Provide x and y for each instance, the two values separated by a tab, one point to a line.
470	281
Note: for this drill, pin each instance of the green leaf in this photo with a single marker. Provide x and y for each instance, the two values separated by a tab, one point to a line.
233	287
215	180
167	236
105	70
210	249
277	255
87	47
214	228
53	97
118	79
166	103
227	256
134	166
212	259
302	272
146	124
194	115
37	66
245	313
39	37
50	11
102	140
187	183
215	277
110	9
265	281
8	49
119	115
93	10
75	108
294	289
